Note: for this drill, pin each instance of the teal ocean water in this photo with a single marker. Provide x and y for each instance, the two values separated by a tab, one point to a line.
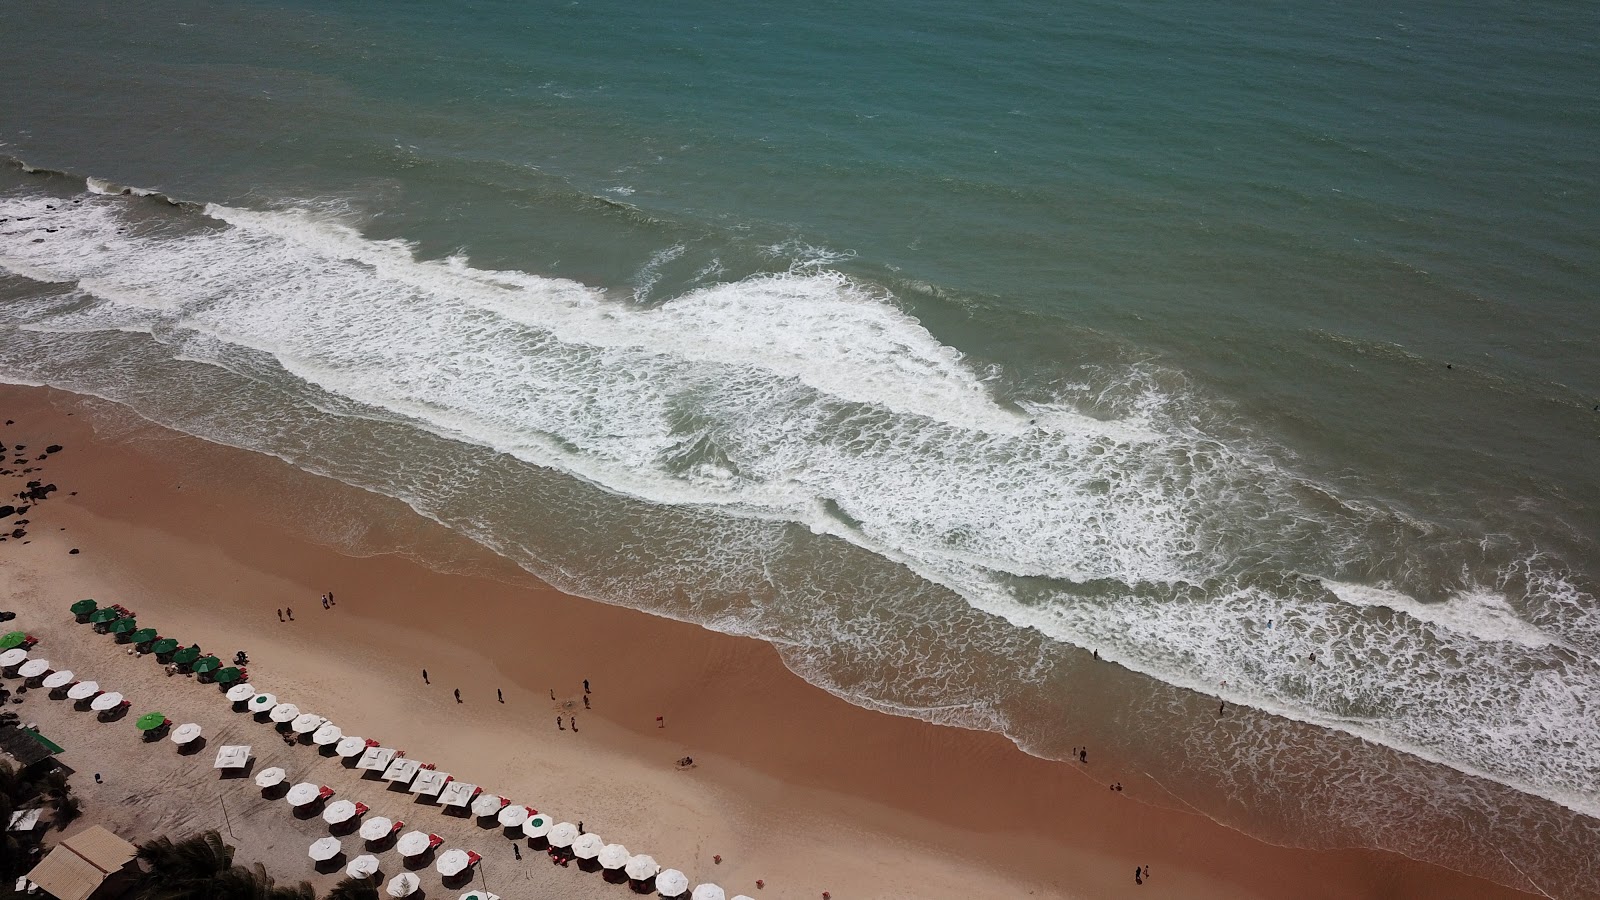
1254	347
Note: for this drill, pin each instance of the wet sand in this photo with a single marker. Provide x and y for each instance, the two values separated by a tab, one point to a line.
791	785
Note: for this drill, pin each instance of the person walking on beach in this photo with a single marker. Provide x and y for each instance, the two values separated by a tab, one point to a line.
499	695
280	614
1083	754
552	693
559	726
585	701
1138	877
290	611
425	677
586	685
458	695
324	601
574	724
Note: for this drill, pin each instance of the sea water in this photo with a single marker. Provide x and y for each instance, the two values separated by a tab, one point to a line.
1255	348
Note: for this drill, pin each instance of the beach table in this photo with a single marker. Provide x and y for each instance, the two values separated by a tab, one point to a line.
233	756
563	835
16	656
240	693
672	883
513	816
402	770
327	733
83	690
363	866
537	826
642	867
403	885
708	892
350	745
271	777
376	759
325	849
33	668
429	783
377	828
613	856
457	793
284	712
185	733
59	679
587	846
108	700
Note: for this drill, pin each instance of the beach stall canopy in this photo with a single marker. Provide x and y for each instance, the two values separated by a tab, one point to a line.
33	668
513	815
328	733
58	679
165	645
82	607
207	664
708	892
412	843
537	826
12	639
16	656
403	885
453	862
326	849
106	701
587	846
142	635
402	769
457	793
284	712
150	720
376	828
102	616
613	856
233	756
303	793
339	811
185	733
429	783
672	883
375	758
362	866
83	690
187	655
228	675
350	745
240	693
642	867
563	835
271	777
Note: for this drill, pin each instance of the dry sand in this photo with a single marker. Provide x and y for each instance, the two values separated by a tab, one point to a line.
791	785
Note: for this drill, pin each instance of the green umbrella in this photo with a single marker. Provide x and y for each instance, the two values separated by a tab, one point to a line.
150	720
102	616
142	635
124	626
14	639
165	645
82	607
226	676
208	664
187	654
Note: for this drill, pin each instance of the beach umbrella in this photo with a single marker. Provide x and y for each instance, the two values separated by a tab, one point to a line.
82	607
185	733
412	843
124	626
33	668
402	770
187	655
326	849
16	656
270	777
376	759
305	723
102	616
239	693
403	885
284	712
142	635
613	856
58	679
12	639
303	793
743	897
537	826
587	846
264	703
206	664
563	835
150	720
479	895
512	815
453	862
165	645
708	892
672	883
487	804
233	756
329	733
363	866
350	745
642	867
83	690
106	701
228	675
339	811
376	828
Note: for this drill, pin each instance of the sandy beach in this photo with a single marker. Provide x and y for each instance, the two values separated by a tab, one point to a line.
790	785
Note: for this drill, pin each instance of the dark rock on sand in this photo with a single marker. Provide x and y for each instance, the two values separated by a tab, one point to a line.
6	511
73	551
53	448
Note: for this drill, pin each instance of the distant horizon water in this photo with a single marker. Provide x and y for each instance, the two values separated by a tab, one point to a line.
1252	349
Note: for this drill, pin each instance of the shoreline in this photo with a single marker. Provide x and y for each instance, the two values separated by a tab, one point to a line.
789	783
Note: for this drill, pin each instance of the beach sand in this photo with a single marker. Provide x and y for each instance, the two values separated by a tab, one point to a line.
791	785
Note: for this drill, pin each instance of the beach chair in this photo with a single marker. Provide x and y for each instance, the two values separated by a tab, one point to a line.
434	841
473	859
325	792
396	826
361	809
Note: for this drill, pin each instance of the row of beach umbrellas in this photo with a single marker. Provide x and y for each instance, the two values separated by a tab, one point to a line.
119	621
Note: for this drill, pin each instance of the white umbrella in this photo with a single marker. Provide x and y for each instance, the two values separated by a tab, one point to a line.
302	793
487	805
412	843
453	862
83	690
339	811
376	828
326	849
613	856
12	657
233	756
185	733
106	701
240	693
264	703
743	897
270	777
563	835
537	826
375	758
33	668
329	733
708	892
403	885
283	712
479	895
362	866
641	867
671	883
587	846
350	745
513	815
58	679
305	723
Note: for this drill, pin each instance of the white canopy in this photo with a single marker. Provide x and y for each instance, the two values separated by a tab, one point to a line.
587	846
402	770
271	777
457	793
429	782
708	892
362	866
376	828
613	856
106	701
233	756
403	885
13	657
265	703
283	712
350	745
641	867
453	862
58	679
305	723
487	805
563	835
375	758
240	692
326	849
671	883
302	793
513	815
329	733
537	826
83	690
412	843
33	668
339	811
185	733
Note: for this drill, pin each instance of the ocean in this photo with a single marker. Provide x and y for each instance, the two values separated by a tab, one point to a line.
1255	348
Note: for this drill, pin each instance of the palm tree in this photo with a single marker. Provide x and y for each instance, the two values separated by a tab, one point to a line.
354	889
201	868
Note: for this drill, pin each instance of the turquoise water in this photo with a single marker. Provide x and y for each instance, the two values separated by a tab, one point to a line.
954	342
